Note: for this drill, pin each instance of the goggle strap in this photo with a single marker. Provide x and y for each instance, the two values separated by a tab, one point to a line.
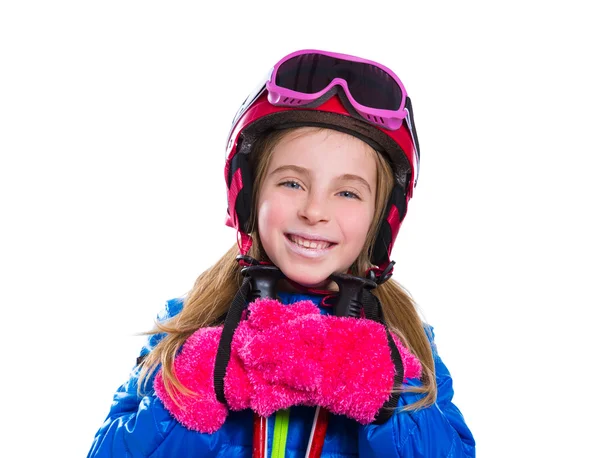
410	122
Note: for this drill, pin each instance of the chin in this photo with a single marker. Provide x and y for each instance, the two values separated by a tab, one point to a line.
311	283
307	280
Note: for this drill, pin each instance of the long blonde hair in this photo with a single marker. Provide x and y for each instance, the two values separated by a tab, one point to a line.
213	291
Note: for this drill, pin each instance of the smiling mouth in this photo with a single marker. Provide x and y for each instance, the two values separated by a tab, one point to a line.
309	244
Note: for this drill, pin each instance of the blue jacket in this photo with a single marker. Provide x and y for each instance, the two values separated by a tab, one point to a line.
141	427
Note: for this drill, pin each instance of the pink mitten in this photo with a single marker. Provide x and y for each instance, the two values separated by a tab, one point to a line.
194	368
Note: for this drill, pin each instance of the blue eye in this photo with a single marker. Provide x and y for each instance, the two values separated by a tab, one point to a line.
291	184
350	194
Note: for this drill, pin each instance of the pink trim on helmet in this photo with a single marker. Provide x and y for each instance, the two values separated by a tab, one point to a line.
234	189
244	242
393	220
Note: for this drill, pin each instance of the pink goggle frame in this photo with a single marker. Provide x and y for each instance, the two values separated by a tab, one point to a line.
386	80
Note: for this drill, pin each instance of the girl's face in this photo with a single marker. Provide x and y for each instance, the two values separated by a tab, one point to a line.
316	203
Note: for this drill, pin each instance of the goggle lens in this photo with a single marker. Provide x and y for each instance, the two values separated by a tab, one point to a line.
370	85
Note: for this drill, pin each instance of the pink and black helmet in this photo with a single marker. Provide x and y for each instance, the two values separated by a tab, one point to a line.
275	105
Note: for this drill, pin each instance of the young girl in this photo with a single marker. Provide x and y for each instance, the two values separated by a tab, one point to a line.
297	342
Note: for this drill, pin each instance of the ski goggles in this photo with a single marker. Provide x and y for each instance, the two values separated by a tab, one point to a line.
309	77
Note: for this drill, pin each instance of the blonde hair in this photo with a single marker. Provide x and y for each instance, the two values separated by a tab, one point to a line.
213	291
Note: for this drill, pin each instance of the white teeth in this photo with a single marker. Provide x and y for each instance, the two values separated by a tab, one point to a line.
309	244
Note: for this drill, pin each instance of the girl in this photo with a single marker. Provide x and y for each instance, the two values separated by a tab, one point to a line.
297	342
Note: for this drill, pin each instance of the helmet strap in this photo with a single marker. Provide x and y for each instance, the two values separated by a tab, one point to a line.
244	242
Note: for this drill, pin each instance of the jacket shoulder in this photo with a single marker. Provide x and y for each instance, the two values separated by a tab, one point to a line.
171	308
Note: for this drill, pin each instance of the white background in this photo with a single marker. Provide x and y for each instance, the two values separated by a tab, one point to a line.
113	118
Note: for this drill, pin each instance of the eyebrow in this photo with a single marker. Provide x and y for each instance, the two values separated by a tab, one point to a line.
303	171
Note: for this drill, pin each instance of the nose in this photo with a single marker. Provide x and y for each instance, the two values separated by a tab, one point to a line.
314	209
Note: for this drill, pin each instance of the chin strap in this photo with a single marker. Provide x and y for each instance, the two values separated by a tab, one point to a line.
382	275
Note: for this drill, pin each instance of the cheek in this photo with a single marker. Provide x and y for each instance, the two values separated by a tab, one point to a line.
271	215
355	223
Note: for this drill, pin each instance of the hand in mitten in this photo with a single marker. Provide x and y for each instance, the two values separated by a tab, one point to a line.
300	357
193	367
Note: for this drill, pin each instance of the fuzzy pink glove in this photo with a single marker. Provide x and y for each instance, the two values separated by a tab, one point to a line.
286	355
